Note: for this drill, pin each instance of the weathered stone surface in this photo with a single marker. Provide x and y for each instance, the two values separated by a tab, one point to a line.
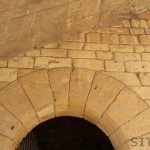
129	79
95	47
3	63
50	62
145	56
133	128
104	55
139	48
137	31
145	78
37	87
54	52
119	30
123	109
145	39
8	74
128	39
21	62
59	81
135	23
114	66
143	24
93	37
110	39
121	48
33	53
23	72
14	99
71	45
89	64
80	83
81	54
103	91
137	66
126	23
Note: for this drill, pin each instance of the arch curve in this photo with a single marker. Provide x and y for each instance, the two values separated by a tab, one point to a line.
78	92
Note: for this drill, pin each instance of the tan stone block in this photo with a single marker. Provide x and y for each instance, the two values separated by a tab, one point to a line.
3	63
145	56
23	72
51	62
126	23
80	37
135	23
54	52
89	64
3	84
21	62
93	46
37	87
145	78
128	39
93	37
103	30
148	23
123	109
137	31
14	99
142	91
6	143
51	45
137	127
139	48
116	23
143	24
119	30
71	45
103	91
104	55
10	126
147	31
59	81
8	74
144	39
127	56
80	83
110	39
137	66
129	79
147	48
114	66
121	48
33	53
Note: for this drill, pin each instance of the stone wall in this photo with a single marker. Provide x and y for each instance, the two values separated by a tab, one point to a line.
121	51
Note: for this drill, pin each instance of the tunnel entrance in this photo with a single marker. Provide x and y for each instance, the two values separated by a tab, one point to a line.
66	133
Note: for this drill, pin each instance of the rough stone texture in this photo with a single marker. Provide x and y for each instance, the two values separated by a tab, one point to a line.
80	84
145	39
40	94
59	81
121	48
104	55
128	39
145	78
14	99
93	46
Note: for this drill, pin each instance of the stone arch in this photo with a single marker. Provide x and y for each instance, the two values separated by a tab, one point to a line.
84	93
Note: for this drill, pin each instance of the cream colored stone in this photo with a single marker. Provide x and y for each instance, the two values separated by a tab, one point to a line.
144	39
50	62
126	23
142	91
137	31
71	45
126	106
103	30
80	37
145	78
147	48
8	74
103	91
59	81
3	84
80	83
34	53
10	126
147	31
129	79
37	87
114	66
81	54
95	47
135	23
143	24
145	56
54	52
104	55
3	63
137	66
121	48
119	30
14	99
110	39
93	37
128	39
21	62
89	64
127	56
52	45
23	72
139	48
137	127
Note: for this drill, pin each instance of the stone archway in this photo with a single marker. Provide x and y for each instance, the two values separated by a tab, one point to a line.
94	96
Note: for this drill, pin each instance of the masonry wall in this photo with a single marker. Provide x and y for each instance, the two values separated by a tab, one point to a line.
121	50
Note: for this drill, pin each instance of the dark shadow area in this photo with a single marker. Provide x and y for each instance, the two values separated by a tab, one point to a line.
70	133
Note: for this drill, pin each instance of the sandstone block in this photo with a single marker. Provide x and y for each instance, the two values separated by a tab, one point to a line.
110	39
147	31
144	39
71	45
128	39
121	48
3	63
93	46
143	24
145	56
145	78
93	37
137	31
126	23
33	53
119	30
80	37
135	23
104	55
139	48
52	45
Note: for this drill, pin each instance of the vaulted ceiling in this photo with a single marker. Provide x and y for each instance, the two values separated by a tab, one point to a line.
25	24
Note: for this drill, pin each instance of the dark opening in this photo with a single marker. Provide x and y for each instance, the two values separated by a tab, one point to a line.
66	133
